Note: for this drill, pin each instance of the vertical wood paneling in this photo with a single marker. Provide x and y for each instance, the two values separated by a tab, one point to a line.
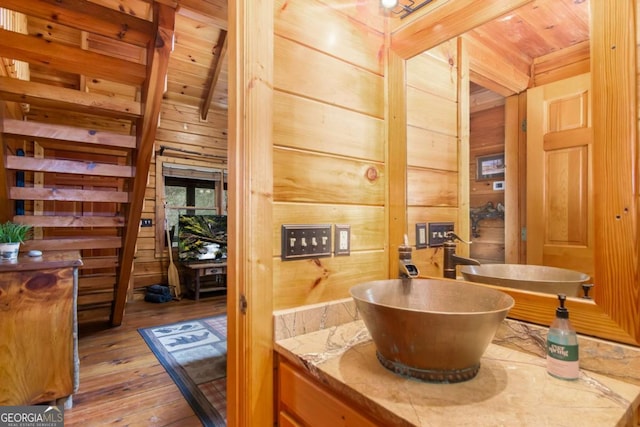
323	77
357	43
487	137
431	74
428	187
431	112
429	260
432	146
316	126
308	177
329	157
367	222
316	280
432	150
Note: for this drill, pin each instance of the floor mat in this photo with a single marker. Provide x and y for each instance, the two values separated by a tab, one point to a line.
194	353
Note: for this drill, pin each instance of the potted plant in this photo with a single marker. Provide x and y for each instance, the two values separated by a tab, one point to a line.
11	235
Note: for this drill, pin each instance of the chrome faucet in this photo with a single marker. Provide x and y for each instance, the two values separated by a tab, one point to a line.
451	260
408	270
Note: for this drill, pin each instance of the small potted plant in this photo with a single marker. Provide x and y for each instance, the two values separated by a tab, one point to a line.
11	235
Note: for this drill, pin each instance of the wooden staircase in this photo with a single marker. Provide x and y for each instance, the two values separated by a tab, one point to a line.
87	150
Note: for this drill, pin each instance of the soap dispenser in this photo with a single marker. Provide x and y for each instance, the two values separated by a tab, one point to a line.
562	345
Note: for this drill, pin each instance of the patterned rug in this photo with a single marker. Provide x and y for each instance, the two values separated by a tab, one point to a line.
194	353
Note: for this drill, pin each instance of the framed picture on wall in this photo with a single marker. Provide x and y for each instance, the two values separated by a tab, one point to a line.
490	167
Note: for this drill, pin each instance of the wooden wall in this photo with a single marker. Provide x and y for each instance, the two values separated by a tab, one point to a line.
487	127
329	144
186	139
432	146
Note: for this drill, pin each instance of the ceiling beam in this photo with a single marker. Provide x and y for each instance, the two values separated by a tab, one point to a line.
87	16
164	19
446	20
204	11
44	95
68	58
218	54
493	67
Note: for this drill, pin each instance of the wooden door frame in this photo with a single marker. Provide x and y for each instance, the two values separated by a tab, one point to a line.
250	383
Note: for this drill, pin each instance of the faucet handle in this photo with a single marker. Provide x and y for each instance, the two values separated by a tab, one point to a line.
452	237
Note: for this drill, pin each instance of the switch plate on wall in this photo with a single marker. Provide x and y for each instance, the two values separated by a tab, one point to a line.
421	235
146	222
438	232
306	241
342	239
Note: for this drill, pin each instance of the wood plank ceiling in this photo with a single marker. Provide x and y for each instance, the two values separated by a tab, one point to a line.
81	122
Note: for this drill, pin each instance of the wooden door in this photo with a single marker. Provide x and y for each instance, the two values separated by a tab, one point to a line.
559	175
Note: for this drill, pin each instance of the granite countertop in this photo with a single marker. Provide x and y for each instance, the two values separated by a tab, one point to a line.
512	387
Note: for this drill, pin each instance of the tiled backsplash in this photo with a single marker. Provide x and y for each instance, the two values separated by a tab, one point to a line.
604	357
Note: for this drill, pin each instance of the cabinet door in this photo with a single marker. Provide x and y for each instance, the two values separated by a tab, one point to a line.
312	404
36	336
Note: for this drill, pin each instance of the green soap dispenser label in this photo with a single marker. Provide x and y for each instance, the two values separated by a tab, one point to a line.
567	353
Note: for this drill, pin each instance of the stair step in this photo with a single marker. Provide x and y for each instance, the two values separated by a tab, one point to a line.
70	221
47	96
67	133
69	166
99	262
61	194
73	243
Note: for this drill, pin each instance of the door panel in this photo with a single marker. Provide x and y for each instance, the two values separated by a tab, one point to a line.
559	175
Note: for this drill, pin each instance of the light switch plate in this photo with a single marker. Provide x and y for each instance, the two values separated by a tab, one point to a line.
437	233
301	241
342	240
421	235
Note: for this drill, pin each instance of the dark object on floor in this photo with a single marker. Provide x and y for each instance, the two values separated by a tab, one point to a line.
158	294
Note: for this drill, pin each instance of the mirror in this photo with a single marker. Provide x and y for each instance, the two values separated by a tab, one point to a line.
613	313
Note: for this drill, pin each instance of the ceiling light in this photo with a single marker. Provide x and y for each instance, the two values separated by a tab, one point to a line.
388	4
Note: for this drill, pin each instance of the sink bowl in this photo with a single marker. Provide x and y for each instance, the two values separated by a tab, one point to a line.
430	329
536	278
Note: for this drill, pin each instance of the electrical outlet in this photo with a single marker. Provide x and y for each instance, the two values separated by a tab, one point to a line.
438	233
421	235
343	240
146	222
306	241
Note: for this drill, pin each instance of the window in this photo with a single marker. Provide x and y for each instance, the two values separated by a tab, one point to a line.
191	189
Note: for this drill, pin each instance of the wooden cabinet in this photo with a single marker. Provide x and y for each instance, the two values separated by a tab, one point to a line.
38	337
303	402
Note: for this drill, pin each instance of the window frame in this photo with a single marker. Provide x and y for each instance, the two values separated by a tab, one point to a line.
160	198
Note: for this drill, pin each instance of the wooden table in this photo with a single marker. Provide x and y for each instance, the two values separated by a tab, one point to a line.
201	269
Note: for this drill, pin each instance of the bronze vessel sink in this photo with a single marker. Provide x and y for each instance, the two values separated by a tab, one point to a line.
535	278
431	329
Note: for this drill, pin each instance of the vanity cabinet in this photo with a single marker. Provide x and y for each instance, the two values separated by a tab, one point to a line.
38	329
303	402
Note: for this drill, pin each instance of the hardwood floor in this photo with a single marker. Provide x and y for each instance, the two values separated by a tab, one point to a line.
121	381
